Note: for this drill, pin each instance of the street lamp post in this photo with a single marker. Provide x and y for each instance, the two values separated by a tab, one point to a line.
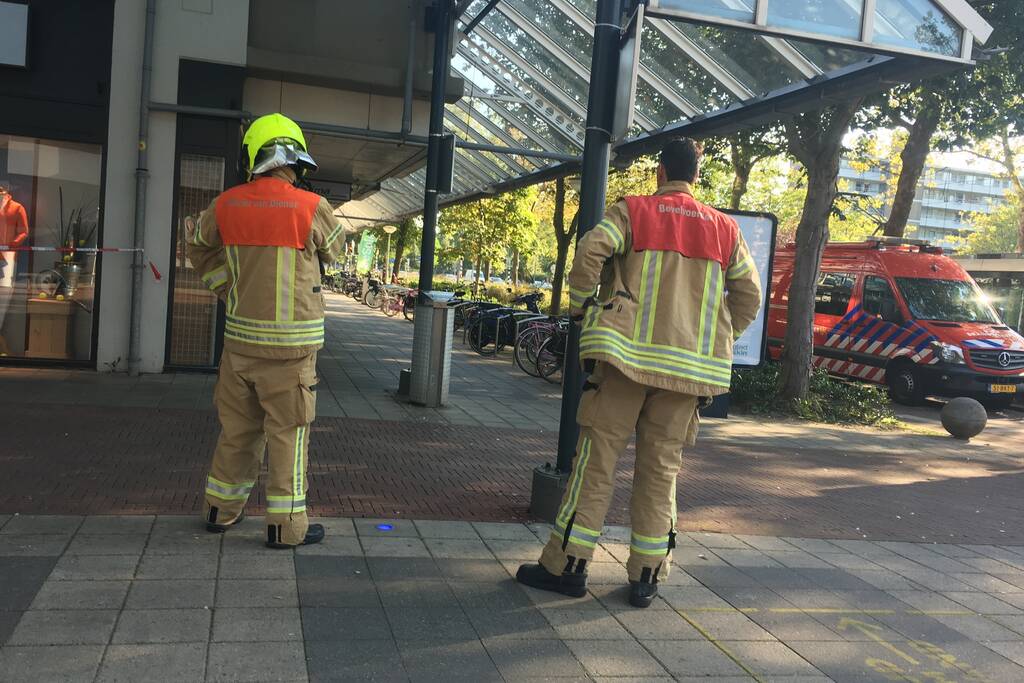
390	230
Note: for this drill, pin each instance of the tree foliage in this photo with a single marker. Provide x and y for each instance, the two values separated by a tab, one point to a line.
997	232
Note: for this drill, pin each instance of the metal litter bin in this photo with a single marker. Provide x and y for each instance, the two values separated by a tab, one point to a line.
432	350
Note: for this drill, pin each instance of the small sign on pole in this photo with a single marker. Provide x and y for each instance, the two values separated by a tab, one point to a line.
629	63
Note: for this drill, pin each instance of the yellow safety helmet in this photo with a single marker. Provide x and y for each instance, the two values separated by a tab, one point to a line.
282	144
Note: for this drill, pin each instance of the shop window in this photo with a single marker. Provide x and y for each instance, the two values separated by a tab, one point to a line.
49	218
193	307
833	294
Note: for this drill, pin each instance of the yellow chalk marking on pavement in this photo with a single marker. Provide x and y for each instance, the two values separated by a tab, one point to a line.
942	613
874	633
829	610
745	610
726	651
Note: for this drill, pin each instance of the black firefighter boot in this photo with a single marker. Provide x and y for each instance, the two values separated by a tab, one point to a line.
643	592
215	527
314	534
572	582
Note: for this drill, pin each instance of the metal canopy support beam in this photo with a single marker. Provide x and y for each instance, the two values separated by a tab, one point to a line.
796	58
526	129
676	14
559	53
683	43
457	125
666	90
494	129
530	97
509	53
480	17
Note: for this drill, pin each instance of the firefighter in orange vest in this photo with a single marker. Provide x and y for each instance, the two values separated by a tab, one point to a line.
258	247
664	286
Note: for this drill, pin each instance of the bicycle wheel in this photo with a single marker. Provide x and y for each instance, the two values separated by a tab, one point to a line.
525	350
409	309
390	306
550	359
372	298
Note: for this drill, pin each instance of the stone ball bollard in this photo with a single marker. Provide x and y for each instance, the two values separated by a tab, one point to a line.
964	417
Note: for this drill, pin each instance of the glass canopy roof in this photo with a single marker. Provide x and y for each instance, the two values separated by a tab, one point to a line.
526	67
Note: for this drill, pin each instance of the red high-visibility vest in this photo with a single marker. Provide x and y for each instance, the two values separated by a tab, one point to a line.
678	222
266	212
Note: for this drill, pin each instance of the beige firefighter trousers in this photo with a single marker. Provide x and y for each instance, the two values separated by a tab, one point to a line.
611	408
263	405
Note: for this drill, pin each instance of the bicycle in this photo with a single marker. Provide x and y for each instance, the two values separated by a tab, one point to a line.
491	328
529	342
551	354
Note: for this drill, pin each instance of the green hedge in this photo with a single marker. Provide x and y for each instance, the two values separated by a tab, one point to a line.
829	399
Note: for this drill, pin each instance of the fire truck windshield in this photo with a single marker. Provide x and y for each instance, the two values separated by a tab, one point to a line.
956	301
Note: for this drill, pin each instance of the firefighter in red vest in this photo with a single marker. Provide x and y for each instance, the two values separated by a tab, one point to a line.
258	247
663	285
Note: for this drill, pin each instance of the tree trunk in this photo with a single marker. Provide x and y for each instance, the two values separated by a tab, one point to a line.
476	273
742	165
563	238
816	140
1010	162
401	236
515	268
914	156
487	271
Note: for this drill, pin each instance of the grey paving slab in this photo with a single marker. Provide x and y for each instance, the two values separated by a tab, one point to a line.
33	545
374	546
117	524
403	569
459	548
813	545
41	524
280	566
519	623
336	526
697	556
471	570
163	626
107	544
585	624
177	567
344	623
317	566
431	624
333	591
786	626
22	578
518	660
445	529
170	594
386	528
93	567
186	542
333	545
255	662
765	542
88	595
362	660
690	597
504	532
987	583
692	658
65	663
1012	622
155	663
979	628
651	624
771	659
524	551
982	603
734	625
716	541
256	593
415	593
256	624
503	595
448	661
73	627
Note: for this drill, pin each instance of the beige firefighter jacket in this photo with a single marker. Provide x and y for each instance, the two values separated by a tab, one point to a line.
661	318
274	306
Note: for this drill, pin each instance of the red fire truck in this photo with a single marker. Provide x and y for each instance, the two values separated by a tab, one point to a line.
899	313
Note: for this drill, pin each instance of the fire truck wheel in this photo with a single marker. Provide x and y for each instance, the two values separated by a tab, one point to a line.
905	384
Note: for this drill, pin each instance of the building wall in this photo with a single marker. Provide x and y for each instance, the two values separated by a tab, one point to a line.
208	30
944	197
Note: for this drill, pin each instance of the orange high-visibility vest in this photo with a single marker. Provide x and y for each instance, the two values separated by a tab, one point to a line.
267	212
679	223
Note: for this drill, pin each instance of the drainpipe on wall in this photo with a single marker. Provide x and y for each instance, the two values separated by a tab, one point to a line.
141	177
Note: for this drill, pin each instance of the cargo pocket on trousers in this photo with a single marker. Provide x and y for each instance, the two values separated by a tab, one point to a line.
306	409
588	399
694	427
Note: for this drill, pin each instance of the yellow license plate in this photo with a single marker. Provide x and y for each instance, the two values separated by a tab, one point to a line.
1003	388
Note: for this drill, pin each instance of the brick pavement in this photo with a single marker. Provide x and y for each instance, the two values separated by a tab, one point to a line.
87	443
155	598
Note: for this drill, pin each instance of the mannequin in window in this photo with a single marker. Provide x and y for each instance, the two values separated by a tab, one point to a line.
13	233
